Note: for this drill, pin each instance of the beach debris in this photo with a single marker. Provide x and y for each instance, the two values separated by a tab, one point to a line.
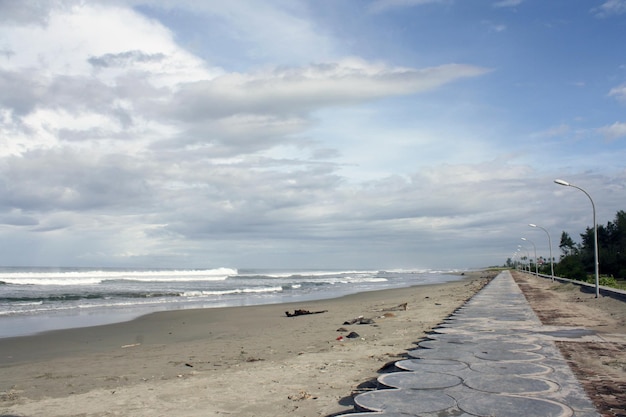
131	345
342	329
340	338
353	335
359	320
189	365
303	313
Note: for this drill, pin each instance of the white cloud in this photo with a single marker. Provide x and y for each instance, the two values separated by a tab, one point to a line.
615	131
610	8
378	6
268	31
618	92
507	3
297	89
73	40
494	27
26	11
119	145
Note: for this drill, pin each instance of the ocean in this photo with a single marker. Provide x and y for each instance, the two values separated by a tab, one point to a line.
34	300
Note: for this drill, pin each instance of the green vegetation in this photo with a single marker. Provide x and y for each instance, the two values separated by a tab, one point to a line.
577	259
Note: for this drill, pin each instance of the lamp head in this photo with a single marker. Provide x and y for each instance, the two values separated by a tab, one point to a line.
561	182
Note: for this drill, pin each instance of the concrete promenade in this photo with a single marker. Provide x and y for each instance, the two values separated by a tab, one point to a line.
492	357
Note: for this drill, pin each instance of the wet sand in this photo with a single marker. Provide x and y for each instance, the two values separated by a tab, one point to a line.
240	361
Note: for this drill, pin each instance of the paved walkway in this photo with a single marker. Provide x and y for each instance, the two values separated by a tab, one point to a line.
492	357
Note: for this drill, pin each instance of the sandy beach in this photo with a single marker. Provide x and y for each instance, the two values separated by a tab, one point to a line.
240	361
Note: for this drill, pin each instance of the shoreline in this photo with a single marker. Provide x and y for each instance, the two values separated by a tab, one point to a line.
88	315
249	360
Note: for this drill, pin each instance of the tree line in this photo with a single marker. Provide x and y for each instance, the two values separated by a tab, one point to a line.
577	259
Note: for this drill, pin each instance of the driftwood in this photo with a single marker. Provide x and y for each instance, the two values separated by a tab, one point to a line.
303	313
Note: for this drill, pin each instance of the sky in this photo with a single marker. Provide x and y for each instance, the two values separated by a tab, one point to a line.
323	134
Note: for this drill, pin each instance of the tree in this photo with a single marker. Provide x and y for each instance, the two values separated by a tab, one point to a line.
567	245
578	260
571	267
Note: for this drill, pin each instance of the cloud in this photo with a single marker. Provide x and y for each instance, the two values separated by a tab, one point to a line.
615	131
108	35
260	32
269	145
507	3
494	27
294	90
62	179
618	92
125	59
610	8
379	6
16	217
26	11
247	113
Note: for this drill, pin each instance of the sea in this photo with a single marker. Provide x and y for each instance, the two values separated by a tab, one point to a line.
35	300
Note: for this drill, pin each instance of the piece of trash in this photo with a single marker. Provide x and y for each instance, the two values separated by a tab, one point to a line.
133	345
303	313
189	365
353	335
340	338
342	329
359	320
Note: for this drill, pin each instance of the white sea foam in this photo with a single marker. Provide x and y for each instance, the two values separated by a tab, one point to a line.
72	295
233	291
306	273
92	277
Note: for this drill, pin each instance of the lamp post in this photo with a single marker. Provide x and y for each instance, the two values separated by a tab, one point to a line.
595	232
550	244
527	256
514	259
535	247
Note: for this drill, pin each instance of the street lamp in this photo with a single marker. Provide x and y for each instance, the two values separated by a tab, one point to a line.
535	247
550	244
595	232
527	255
514	259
